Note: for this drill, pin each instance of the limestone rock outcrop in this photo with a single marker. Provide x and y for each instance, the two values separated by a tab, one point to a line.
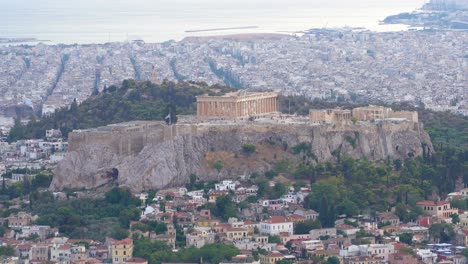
150	155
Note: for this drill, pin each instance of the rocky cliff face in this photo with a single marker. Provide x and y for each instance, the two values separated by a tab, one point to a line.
150	156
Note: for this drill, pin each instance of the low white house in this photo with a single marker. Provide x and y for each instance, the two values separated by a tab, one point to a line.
225	185
276	225
379	250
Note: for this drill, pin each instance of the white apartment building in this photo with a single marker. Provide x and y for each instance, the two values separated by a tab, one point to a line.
276	225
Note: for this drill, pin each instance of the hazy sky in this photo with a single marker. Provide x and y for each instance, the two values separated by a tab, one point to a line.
18	5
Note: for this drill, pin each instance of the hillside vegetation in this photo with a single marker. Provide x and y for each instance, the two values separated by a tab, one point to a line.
131	101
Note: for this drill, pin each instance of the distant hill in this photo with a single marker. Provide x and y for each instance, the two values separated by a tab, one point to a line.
451	5
131	101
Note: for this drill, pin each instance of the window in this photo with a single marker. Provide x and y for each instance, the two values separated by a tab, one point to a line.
116	259
125	253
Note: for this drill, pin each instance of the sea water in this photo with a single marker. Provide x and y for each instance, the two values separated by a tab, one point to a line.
99	21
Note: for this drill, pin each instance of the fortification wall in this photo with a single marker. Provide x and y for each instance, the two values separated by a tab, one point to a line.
157	155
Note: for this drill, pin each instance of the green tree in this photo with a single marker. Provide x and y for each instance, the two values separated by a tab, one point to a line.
128	215
7	251
193	180
406	238
324	198
119	233
306	226
274	239
218	165
333	260
278	190
441	233
455	218
248	148
348	208
225	207
270	174
143	248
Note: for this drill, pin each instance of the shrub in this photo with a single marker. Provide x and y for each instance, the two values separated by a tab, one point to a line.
248	148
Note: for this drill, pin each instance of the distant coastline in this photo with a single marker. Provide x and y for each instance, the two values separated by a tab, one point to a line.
435	15
219	29
20	40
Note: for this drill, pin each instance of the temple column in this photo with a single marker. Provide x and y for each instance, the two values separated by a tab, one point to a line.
262	105
246	108
242	107
233	109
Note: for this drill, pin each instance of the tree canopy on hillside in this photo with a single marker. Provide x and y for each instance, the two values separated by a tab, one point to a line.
131	101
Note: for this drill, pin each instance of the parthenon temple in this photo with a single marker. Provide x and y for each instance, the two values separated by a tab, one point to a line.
237	104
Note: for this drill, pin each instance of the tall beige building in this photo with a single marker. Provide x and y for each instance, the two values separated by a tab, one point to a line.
237	104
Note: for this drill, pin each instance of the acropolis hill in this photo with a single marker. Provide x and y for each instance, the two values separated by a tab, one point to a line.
145	155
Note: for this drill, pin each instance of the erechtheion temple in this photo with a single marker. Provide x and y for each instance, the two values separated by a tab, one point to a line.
367	113
237	104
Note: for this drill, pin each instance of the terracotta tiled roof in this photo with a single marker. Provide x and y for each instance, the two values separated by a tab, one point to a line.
64	247
125	241
296	217
274	255
432	203
24	246
276	220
